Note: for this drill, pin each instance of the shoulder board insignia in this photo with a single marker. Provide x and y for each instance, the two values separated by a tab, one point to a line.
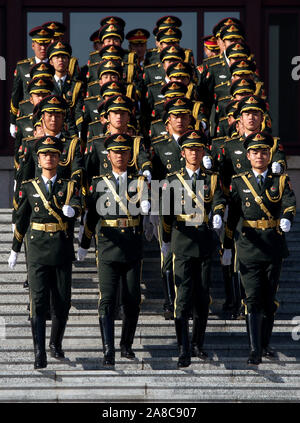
151	65
20	62
215	64
240	174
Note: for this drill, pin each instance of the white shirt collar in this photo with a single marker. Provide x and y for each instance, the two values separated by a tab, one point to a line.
175	136
57	78
263	174
191	172
123	175
37	60
56	136
53	179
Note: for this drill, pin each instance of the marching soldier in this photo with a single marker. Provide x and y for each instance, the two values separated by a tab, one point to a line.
59	55
137	39
187	235
47	206
267	206
41	38
119	235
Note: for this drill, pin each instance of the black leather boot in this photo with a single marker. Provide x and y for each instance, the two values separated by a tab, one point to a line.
198	334
57	333
182	334
254	327
107	329
127	336
267	327
227	278
38	327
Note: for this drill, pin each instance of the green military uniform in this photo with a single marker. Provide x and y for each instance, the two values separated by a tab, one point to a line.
119	246
192	245
261	245
50	251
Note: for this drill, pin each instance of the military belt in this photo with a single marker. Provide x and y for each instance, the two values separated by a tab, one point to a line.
121	223
261	224
190	218
49	227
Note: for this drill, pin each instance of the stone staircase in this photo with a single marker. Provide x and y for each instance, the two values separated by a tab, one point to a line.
153	376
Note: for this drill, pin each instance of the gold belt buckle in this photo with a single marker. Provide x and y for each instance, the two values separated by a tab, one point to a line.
123	223
260	224
50	227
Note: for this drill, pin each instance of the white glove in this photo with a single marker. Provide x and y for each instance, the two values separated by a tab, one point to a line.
207	162
145	206
12	130
81	253
285	225
12	260
148	175
13	226
226	257
68	211
80	233
203	124
276	167
217	221
165	248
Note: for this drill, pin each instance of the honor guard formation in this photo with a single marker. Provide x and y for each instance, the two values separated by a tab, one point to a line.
102	146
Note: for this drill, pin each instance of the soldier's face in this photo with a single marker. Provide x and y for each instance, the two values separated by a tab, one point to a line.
228	43
60	63
35	98
139	48
118	119
53	121
163	45
193	155
108	77
179	123
40	50
221	44
97	45
119	159
259	158
38	131
183	79
251	120
48	160
112	41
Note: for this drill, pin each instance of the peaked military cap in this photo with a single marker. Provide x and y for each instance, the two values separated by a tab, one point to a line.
174	89
192	138
113	20
232	32
138	35
252	102
111	30
40	70
168	21
225	22
110	66
113	88
172	53
179	69
95	36
238	51
41	35
58	27
243	67
169	35
53	103
259	140
178	105
231	107
118	102
112	53
40	85
48	143
210	42
59	47
118	142
101	107
242	86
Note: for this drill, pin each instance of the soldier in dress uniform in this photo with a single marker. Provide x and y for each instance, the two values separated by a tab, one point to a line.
186	233
41	38
47	206
119	235
59	35
137	40
266	204
59	55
